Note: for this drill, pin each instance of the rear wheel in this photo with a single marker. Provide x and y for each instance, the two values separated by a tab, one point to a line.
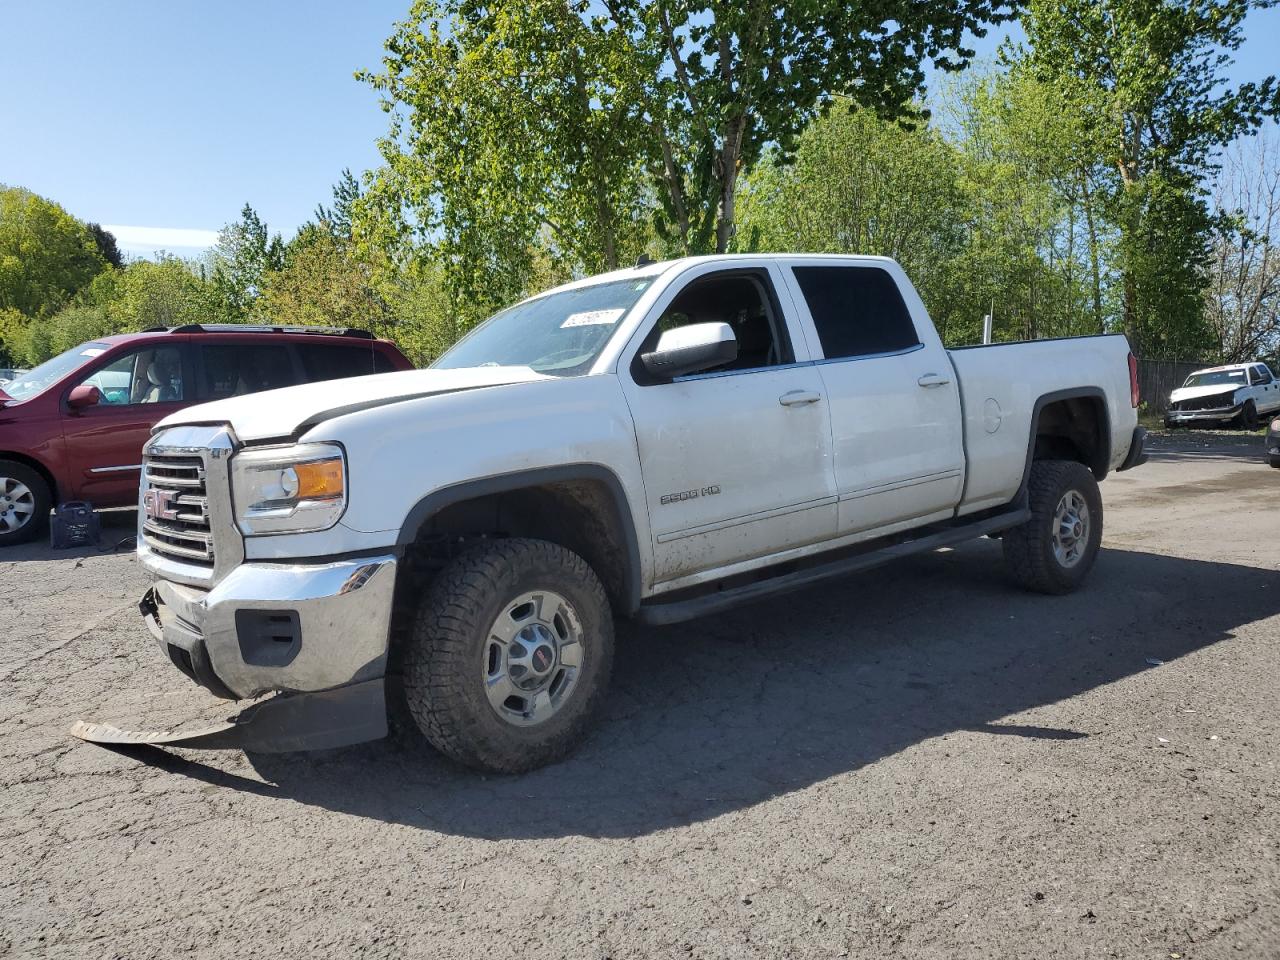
24	503
1054	551
509	656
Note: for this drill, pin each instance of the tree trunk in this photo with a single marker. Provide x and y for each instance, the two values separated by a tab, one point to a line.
1095	267
727	174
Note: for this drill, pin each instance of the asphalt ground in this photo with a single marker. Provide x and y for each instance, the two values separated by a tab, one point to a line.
920	761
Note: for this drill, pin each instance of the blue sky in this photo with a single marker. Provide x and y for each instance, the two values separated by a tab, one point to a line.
174	114
170	116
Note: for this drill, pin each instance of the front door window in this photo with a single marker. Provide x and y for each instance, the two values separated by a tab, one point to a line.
144	376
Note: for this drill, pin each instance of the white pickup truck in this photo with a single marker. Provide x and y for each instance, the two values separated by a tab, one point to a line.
1233	393
656	443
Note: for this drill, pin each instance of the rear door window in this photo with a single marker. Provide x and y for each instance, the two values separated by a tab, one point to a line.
858	311
236	369
325	361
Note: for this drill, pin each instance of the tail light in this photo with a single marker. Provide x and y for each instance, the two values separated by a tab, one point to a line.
1135	393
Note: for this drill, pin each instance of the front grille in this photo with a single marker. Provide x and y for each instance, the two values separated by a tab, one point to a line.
175	504
1218	401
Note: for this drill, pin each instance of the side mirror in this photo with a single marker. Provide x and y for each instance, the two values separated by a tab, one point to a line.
85	395
689	349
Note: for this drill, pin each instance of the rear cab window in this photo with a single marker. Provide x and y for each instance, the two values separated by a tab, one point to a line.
857	311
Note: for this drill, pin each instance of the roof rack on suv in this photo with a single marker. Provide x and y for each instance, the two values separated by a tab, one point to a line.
262	328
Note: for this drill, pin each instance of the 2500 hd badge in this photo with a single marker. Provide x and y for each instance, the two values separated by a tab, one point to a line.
710	491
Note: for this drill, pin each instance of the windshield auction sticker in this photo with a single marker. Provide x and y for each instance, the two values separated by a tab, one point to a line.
591	318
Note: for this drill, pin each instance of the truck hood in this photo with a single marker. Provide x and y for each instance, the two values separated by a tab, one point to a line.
283	413
1191	393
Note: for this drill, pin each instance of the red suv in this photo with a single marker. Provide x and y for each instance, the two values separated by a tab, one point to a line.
73	428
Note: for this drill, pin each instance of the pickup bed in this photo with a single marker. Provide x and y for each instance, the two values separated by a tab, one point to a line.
655	443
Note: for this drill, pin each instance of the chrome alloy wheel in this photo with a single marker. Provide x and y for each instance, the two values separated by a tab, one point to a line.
532	658
17	505
1070	529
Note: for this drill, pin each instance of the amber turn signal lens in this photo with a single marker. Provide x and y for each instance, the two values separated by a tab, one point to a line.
319	479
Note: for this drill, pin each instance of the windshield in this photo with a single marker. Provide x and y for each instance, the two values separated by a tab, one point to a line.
1213	378
560	334
51	371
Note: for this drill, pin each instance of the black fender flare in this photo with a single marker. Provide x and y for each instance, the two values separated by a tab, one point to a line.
438	500
1102	465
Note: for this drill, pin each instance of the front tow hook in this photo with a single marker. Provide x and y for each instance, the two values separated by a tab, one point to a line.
147	605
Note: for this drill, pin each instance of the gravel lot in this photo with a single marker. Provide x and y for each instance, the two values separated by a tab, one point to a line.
917	762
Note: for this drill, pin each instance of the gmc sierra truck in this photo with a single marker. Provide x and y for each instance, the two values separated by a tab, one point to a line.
657	443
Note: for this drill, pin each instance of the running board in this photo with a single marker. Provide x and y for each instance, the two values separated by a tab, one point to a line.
283	724
677	611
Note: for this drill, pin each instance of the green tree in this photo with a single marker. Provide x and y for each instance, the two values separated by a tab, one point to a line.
13	337
1147	79
322	283
167	292
519	127
861	184
520	135
245	251
416	295
1036	244
46	255
337	218
106	243
1242	301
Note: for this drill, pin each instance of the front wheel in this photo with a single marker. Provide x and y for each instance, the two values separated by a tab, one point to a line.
1054	551
509	657
24	503
1249	416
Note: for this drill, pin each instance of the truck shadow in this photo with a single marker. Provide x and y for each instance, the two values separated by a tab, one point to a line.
718	715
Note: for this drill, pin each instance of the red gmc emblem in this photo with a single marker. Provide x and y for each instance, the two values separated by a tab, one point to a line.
160	504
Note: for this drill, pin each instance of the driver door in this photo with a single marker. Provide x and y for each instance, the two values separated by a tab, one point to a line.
736	461
138	388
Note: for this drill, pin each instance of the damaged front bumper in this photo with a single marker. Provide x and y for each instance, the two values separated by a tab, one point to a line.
277	626
316	633
1214	415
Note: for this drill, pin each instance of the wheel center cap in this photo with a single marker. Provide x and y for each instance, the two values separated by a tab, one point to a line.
542	658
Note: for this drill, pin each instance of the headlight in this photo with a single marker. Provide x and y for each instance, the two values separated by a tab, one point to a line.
296	489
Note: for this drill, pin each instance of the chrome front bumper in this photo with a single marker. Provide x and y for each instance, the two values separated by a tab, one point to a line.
1218	413
274	626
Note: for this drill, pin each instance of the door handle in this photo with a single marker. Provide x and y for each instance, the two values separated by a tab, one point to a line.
933	380
796	398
